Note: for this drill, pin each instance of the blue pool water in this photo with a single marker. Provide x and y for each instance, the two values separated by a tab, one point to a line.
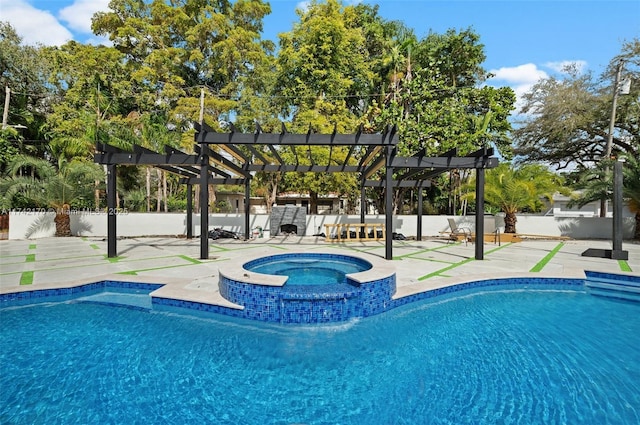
309	269
508	357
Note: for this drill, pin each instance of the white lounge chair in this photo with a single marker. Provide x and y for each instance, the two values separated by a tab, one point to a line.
457	231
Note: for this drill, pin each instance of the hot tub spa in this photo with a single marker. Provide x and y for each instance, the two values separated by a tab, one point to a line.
308	287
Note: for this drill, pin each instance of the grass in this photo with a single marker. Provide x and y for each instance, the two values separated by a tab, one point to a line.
624	266
26	278
542	263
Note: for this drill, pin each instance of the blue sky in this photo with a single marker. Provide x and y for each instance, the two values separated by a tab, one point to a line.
524	39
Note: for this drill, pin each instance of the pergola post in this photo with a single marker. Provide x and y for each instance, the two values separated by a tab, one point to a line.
388	205
419	224
247	207
111	211
189	211
479	213
204	204
363	204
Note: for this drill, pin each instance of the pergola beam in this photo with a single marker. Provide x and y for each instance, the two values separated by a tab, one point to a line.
445	163
304	168
398	183
210	137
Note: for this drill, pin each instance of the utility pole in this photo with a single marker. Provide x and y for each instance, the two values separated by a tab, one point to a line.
201	120
5	113
612	122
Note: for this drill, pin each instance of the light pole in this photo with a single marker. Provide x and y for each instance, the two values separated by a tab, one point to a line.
617	90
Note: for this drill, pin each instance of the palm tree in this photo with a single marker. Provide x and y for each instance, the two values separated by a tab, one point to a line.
46	186
597	183
513	190
631	190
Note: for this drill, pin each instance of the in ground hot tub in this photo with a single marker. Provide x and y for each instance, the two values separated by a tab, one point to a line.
309	287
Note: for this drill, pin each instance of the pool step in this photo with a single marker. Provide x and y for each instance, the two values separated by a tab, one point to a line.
611	285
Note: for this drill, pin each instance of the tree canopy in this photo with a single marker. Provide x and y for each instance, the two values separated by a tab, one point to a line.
340	66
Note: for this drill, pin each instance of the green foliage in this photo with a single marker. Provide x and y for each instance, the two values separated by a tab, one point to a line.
515	190
24	70
9	142
340	66
567	120
323	57
174	47
72	184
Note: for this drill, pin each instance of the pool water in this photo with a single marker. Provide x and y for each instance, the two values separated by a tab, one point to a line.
525	357
310	271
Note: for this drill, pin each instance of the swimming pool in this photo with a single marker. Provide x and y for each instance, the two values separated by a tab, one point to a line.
515	356
309	268
303	287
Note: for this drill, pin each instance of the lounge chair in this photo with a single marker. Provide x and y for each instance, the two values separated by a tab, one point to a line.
457	231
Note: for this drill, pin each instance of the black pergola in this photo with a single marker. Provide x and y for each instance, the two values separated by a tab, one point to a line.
231	158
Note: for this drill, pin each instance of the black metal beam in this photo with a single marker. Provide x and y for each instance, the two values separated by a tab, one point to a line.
388	204
275	153
419	224
189	211
398	183
304	168
111	211
479	214
213	180
132	158
204	206
207	136
229	165
247	208
444	162
379	162
257	154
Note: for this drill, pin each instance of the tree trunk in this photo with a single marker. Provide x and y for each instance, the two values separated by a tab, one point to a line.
96	194
212	197
510	222
313	202
63	222
271	196
148	187
158	189
164	190
636	233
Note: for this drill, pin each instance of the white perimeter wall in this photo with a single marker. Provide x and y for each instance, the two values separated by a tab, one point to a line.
31	225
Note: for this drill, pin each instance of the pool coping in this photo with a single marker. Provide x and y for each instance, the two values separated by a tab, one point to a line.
172	288
175	289
234	269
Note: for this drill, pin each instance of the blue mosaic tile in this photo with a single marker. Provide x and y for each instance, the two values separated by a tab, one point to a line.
299	304
67	294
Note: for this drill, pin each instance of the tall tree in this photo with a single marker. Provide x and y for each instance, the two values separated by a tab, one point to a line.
23	71
323	57
566	121
441	104
631	190
92	85
183	44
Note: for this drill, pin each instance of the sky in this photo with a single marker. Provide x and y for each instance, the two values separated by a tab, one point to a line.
524	40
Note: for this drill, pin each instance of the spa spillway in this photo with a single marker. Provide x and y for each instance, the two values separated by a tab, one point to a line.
308	287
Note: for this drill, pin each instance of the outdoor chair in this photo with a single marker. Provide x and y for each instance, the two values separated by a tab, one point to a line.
457	231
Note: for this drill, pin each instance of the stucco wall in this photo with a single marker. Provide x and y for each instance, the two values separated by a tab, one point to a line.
32	225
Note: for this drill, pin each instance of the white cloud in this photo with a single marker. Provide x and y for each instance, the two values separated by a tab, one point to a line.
35	26
78	15
304	5
562	67
520	78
